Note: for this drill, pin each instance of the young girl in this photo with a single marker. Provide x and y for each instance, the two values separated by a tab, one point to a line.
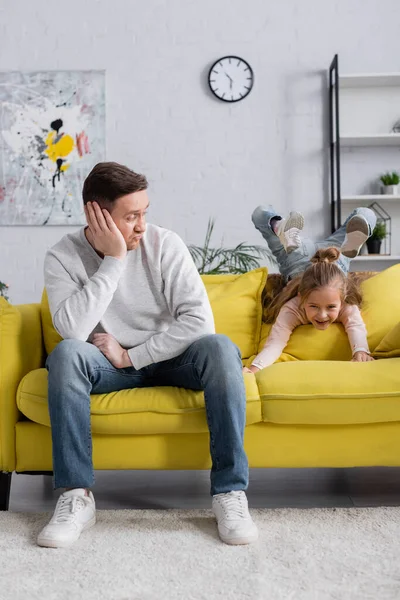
318	291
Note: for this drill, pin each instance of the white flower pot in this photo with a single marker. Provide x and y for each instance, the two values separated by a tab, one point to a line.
390	190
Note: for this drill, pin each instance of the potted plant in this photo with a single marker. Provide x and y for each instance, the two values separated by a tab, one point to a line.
375	240
390	183
3	290
240	259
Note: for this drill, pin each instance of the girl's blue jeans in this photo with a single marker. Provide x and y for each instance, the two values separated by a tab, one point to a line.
295	263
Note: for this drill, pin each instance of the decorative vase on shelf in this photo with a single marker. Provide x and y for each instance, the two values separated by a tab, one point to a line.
374	246
390	190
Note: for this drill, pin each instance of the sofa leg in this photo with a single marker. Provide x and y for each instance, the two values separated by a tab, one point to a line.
5	487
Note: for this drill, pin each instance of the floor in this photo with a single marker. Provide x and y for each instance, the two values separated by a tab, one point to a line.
269	488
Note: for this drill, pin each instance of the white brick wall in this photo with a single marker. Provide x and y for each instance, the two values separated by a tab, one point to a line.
203	157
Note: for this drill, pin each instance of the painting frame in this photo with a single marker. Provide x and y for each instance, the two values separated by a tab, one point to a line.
52	133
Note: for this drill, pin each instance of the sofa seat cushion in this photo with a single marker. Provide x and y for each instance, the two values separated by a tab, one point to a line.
330	393
137	411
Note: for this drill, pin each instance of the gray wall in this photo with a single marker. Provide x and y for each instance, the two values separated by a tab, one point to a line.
203	157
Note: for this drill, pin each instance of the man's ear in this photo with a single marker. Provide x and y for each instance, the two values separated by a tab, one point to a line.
106	206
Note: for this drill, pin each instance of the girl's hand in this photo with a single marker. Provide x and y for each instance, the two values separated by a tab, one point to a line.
362	357
252	369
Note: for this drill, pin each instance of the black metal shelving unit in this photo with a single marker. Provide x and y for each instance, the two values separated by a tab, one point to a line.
334	143
334	146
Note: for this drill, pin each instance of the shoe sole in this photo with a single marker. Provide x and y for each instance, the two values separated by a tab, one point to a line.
51	543
357	224
240	541
295	220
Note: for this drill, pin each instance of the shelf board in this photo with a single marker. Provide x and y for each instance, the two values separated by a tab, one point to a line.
388	139
372	257
372	198
357	80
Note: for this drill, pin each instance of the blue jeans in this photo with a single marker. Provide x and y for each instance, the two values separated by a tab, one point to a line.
295	263
213	364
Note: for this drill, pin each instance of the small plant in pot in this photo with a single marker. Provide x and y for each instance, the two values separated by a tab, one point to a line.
4	290
390	183
374	242
240	259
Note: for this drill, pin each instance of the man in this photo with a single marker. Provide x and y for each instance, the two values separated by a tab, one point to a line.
133	312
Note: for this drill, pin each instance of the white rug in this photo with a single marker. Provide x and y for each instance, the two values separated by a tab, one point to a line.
316	554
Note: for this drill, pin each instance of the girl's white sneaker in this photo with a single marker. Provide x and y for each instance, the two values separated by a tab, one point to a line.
289	231
235	525
357	233
74	512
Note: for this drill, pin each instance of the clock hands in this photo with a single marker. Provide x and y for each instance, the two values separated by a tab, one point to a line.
230	80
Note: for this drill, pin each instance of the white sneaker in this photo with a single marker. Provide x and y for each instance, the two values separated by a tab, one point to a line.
74	513
289	231
235	525
357	233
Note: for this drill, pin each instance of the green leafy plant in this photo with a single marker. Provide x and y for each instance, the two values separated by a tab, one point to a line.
214	261
390	178
379	232
3	290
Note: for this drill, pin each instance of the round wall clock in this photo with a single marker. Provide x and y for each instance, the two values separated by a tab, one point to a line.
231	79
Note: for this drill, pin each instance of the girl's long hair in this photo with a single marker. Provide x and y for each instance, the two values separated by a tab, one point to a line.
323	272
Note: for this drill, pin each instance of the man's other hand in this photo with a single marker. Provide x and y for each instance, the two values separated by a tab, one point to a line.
108	345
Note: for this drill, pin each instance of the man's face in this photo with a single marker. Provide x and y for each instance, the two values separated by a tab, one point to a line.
129	215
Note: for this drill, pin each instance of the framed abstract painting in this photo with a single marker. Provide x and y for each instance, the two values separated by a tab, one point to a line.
52	133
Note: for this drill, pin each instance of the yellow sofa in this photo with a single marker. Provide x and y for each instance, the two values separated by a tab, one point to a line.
313	408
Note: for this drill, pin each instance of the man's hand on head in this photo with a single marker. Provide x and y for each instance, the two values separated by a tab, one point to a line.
104	234
108	345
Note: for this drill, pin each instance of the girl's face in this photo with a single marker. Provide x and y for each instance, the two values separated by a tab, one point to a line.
323	306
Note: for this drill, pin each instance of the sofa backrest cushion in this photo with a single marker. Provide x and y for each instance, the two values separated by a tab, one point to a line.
235	301
381	313
307	343
381	304
50	336
389	347
236	304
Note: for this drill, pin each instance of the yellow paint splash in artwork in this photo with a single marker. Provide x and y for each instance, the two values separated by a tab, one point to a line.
59	149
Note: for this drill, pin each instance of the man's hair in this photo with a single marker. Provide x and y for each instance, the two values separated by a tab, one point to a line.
108	181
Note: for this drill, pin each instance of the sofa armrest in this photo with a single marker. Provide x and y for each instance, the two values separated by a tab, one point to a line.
21	351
